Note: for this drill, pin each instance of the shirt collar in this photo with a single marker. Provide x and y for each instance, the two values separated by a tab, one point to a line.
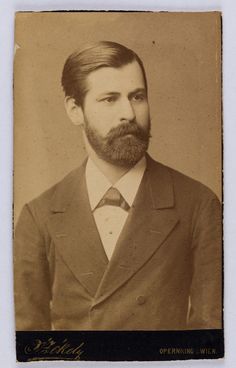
128	184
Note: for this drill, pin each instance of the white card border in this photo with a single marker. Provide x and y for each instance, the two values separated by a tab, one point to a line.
228	8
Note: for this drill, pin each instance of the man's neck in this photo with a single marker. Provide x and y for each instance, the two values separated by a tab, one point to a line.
112	172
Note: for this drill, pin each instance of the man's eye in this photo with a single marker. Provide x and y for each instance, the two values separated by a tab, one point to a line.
138	97
109	99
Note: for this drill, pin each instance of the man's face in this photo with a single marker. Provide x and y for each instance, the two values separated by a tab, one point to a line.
116	114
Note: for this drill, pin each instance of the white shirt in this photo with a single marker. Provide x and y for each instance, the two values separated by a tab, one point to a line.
109	219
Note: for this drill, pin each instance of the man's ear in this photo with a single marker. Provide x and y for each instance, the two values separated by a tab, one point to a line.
74	111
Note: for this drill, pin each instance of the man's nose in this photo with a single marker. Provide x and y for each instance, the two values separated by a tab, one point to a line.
127	110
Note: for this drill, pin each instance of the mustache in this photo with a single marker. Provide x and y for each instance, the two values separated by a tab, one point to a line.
128	128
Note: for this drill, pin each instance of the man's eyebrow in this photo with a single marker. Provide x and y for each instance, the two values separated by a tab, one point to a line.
108	93
114	93
138	90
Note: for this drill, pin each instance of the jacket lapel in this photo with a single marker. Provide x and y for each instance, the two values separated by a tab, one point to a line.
74	232
150	221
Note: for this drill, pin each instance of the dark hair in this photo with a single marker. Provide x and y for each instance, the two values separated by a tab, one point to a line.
94	56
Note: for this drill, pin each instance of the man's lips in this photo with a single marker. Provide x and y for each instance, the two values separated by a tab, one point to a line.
128	135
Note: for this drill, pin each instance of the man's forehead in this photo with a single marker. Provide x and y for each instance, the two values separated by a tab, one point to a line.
128	76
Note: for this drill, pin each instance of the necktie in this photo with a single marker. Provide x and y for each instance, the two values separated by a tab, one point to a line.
113	198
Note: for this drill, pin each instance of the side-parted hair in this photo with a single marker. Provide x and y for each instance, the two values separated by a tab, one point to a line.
92	57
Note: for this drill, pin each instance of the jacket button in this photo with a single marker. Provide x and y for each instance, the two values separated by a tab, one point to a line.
141	299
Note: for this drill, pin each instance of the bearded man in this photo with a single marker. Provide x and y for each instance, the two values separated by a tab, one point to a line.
123	242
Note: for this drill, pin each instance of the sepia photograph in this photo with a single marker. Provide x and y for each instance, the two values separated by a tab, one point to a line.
118	185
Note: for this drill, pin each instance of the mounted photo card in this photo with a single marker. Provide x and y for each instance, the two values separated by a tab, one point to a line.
118	186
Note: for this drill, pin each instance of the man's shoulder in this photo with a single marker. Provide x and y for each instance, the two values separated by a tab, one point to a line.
58	194
183	185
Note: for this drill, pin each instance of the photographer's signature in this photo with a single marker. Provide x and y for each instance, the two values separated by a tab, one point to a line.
51	349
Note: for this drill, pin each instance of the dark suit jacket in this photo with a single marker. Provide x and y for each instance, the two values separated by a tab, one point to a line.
165	272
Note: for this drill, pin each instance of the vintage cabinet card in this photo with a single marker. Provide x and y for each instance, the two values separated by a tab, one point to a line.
117	186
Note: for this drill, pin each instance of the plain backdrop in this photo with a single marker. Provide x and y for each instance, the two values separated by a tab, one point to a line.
8	7
182	57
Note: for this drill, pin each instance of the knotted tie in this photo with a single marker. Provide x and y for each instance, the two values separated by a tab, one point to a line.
113	198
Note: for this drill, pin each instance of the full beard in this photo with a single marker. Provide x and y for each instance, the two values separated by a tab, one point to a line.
123	146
